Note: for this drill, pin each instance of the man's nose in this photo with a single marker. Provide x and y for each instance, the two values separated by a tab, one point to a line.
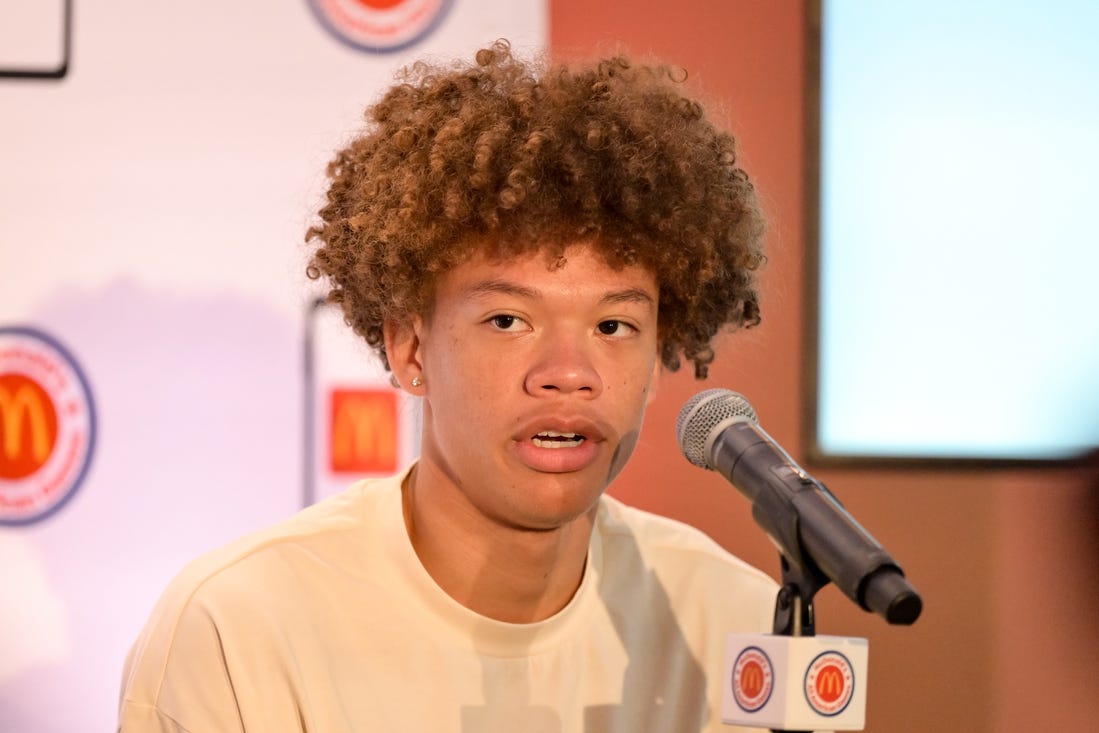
564	365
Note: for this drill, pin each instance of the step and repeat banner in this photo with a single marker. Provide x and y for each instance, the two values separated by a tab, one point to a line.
168	379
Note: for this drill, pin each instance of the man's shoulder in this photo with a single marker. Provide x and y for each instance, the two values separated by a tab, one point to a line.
327	521
229	588
669	544
262	561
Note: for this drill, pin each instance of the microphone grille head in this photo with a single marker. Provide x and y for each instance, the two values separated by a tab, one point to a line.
702	414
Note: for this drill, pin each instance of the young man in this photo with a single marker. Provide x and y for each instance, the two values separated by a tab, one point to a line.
526	248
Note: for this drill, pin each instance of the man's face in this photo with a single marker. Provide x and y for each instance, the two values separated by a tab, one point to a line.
536	381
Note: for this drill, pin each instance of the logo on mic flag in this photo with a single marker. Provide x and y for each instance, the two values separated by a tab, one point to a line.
753	679
829	683
808	682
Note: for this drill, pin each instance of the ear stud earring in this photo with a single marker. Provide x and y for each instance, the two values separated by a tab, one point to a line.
417	382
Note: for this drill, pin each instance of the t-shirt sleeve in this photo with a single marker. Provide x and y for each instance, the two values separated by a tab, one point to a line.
176	677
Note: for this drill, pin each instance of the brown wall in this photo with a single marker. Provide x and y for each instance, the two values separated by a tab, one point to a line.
1006	561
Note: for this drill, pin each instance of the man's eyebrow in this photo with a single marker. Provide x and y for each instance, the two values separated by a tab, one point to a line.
500	287
629	295
506	287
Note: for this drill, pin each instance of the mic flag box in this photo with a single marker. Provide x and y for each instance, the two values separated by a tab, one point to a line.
795	682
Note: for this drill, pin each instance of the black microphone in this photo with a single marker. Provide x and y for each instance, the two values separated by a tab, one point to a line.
718	430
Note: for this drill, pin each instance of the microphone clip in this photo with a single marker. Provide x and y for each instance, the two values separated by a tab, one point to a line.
801	579
794	615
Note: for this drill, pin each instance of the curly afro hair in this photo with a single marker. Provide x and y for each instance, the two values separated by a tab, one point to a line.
505	157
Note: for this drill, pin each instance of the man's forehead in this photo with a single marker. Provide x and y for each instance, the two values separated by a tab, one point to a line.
579	266
552	254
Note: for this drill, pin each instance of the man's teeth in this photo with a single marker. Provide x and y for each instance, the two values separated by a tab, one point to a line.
554	439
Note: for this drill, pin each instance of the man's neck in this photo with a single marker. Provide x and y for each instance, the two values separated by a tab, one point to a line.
505	573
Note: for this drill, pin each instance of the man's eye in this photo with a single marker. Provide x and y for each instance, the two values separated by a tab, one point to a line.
504	323
614	328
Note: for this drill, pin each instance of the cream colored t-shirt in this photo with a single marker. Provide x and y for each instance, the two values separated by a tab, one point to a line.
329	623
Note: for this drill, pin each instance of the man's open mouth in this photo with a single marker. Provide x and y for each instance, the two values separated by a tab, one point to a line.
554	439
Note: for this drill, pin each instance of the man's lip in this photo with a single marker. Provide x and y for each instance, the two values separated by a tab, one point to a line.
576	456
589	429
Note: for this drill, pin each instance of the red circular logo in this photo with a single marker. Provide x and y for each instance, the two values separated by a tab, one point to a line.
829	683
28	426
47	425
753	679
380	25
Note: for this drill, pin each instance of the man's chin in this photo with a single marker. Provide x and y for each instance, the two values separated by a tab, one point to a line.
550	511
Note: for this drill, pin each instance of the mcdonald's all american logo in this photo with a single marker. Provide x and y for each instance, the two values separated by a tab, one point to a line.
47	425
753	679
829	683
380	25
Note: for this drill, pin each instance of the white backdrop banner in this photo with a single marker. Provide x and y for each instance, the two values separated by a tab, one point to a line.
166	382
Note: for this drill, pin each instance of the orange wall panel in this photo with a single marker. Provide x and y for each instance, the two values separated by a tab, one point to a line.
1005	560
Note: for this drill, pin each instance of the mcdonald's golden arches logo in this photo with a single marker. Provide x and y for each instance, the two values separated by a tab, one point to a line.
829	683
28	426
363	431
47	425
753	679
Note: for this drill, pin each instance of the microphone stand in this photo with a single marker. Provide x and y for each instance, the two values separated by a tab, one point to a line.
794	614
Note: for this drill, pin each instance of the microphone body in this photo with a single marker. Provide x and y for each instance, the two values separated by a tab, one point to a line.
718	431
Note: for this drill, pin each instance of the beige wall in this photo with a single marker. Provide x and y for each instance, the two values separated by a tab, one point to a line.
1006	561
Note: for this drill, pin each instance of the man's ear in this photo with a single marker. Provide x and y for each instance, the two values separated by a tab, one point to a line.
402	349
